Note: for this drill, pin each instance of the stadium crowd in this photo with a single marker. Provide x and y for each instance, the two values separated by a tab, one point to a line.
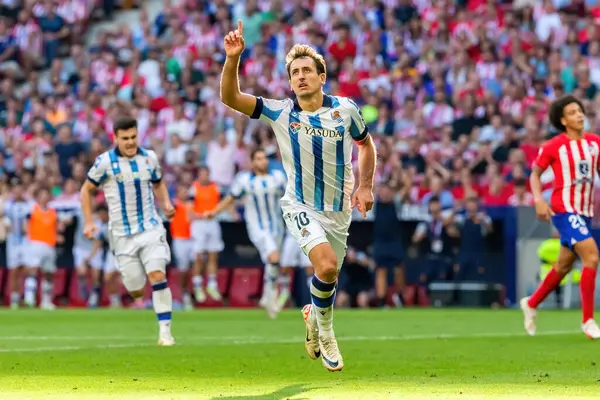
456	93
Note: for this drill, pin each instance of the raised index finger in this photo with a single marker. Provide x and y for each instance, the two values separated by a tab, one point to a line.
240	27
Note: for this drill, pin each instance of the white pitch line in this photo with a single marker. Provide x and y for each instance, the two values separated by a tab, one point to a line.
241	340
67	348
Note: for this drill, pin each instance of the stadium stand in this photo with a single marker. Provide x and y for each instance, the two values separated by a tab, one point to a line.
455	92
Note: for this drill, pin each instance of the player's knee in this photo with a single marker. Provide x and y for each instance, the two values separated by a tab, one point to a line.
562	268
327	269
156	276
590	259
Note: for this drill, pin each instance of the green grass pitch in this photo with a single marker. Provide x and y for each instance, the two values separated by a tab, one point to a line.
234	355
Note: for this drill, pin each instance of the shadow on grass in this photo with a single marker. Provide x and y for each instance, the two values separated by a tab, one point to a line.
280	394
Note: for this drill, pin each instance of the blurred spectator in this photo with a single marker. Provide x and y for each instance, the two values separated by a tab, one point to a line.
474	225
355	281
437	237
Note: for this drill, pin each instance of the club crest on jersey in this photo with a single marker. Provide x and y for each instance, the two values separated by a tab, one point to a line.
336	116
583	230
584	168
295	127
304	233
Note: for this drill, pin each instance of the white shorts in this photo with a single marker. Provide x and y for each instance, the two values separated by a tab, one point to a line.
138	255
80	254
15	255
292	255
41	255
183	249
264	241
110	263
310	227
207	236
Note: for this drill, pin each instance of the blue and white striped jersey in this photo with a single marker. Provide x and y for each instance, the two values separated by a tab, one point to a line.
316	148
17	213
127	184
261	194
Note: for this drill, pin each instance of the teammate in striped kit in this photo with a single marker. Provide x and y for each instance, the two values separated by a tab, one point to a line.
261	190
131	178
315	134
573	157
16	211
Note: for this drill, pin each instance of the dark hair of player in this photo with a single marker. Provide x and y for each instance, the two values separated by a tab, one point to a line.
255	152
124	124
557	110
434	199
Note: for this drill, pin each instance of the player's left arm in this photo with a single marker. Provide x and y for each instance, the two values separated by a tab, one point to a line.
367	160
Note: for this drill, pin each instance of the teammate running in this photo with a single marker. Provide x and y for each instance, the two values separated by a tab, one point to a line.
261	189
131	177
573	156
87	254
315	133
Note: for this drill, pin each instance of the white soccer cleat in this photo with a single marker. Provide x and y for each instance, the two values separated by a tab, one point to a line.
529	315
188	305
199	295
48	306
311	343
213	293
166	340
331	357
591	329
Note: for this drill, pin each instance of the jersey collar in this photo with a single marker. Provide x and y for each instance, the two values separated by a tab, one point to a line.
327	102
118	152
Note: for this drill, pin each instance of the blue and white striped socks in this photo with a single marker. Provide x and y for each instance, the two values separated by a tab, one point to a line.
162	301
323	297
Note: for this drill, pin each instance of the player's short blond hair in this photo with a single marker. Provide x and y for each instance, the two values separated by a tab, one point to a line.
301	51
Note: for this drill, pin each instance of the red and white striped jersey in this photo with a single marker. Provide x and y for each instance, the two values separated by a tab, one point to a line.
575	167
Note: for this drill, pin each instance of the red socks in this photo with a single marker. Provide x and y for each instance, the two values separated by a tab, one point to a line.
549	283
587	288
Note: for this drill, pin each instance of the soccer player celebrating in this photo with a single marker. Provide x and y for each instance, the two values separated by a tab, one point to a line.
131	177
261	189
573	157
314	132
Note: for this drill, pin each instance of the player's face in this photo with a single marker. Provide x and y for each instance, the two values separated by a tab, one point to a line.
127	142
44	197
471	206
182	193
573	117
204	176
304	78
18	191
260	163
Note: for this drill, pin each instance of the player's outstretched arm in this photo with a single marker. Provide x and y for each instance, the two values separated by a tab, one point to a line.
224	204
231	94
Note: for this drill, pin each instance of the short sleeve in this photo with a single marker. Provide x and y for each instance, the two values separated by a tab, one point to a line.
99	171
358	127
544	158
156	173
269	109
238	189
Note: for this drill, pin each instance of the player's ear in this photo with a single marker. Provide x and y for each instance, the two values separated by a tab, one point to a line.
323	78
